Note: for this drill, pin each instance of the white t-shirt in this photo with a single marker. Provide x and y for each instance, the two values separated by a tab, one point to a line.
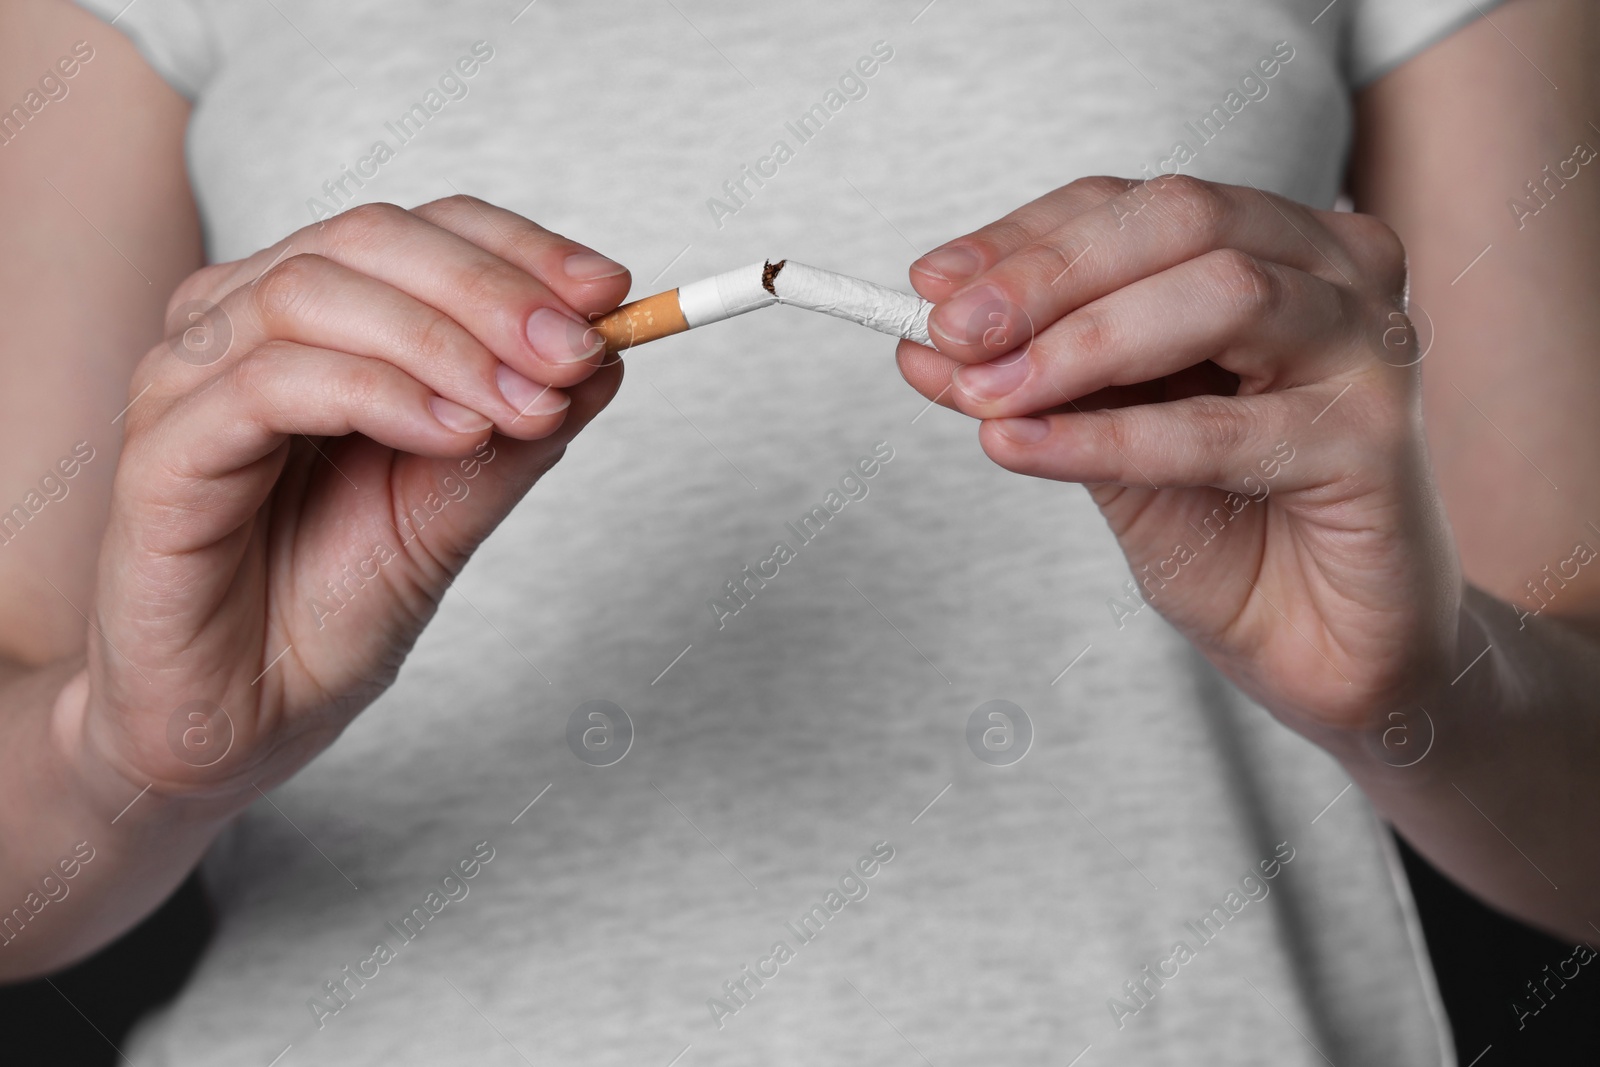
817	846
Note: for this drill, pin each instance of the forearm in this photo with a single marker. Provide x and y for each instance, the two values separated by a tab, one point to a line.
1507	798
85	855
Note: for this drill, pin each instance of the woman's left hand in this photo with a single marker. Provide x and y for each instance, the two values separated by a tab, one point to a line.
1234	378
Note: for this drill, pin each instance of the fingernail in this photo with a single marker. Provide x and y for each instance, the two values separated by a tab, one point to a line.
591	267
529	397
455	417
990	381
949	264
559	338
1027	431
974	318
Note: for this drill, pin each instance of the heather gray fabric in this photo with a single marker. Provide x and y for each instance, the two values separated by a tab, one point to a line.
771	755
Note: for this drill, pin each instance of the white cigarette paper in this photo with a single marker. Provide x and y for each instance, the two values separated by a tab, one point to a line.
865	303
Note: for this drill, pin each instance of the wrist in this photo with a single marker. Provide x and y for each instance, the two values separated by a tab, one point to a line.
1416	737
110	785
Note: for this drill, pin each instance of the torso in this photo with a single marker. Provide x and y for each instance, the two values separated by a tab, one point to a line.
829	713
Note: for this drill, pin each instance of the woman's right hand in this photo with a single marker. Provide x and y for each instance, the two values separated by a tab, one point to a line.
307	465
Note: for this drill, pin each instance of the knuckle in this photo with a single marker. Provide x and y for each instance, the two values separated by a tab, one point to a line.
1119	430
453	206
494	284
1051	259
258	365
363	385
1244	283
252	384
1229	425
363	225
999	237
1101	186
196	286
282	291
530	242
435	337
1197	203
1093	335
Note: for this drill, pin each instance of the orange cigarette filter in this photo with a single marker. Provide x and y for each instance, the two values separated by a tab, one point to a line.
643	320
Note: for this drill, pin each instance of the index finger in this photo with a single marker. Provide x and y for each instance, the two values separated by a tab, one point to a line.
590	283
511	311
945	269
1149	229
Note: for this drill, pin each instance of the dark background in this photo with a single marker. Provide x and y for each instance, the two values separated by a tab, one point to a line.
1482	959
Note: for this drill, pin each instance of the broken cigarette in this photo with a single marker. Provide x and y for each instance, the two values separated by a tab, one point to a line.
761	285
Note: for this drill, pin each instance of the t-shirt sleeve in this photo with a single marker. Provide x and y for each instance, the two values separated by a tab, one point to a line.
172	35
1386	33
